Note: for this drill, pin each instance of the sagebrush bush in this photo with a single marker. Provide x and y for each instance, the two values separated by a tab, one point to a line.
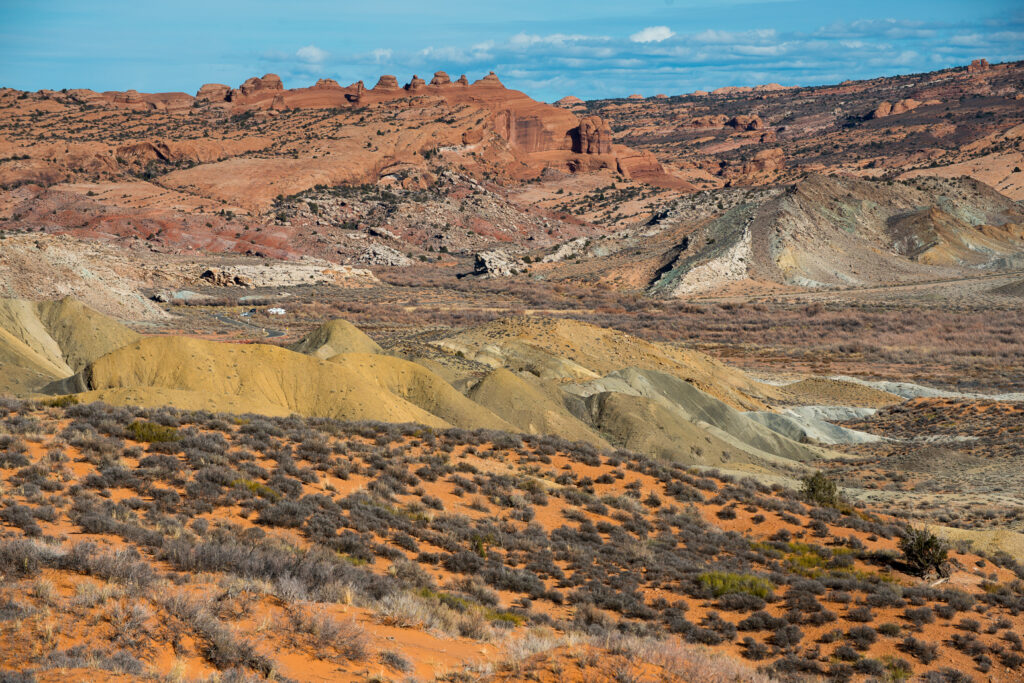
150	432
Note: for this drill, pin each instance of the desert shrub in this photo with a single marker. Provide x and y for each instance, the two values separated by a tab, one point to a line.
347	638
788	636
946	675
870	667
78	657
860	614
722	583
919	616
150	432
20	558
922	549
395	660
753	649
862	637
889	629
741	602
761	621
817	488
926	652
220	646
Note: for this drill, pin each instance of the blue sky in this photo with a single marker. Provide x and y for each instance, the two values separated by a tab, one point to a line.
547	48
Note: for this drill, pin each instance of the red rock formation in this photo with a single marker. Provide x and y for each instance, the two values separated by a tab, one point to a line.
885	109
440	78
709	121
661	96
977	66
637	164
568	101
463	80
213	92
416	83
765	161
490	79
746	122
882	110
386	82
731	89
327	83
592	136
635	96
905	105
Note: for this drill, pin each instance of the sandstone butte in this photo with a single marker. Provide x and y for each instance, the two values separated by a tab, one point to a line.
537	133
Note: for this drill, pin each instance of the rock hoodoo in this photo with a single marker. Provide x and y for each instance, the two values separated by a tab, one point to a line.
440	78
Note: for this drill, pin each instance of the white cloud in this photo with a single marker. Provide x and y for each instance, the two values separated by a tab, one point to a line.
381	54
652	34
523	40
311	54
713	36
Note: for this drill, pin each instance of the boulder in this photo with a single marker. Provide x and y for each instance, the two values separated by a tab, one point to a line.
496	264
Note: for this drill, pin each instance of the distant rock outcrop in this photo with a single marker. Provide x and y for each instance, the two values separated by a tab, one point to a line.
568	101
440	78
746	122
977	66
886	109
386	82
496	264
377	254
491	79
593	136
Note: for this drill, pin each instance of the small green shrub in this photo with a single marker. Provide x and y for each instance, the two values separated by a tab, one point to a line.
820	490
722	583
150	432
923	549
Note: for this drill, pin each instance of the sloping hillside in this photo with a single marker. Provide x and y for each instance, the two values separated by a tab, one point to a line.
43	341
839	232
